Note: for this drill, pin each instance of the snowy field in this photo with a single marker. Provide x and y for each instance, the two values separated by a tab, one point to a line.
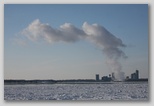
116	91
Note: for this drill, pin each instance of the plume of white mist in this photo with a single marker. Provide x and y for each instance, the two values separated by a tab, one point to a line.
109	44
38	31
96	34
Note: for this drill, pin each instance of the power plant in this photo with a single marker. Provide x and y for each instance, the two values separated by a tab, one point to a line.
111	77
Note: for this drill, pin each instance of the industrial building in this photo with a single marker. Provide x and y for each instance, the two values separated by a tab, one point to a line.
104	78
135	76
97	77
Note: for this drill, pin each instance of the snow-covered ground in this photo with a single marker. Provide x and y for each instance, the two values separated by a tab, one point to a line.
116	91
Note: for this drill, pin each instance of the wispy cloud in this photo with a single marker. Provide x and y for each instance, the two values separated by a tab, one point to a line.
19	41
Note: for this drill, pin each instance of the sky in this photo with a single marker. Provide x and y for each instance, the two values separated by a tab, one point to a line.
74	41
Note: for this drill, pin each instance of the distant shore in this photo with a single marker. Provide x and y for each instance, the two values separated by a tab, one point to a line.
78	81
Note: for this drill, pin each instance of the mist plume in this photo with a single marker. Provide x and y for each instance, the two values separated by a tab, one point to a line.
96	34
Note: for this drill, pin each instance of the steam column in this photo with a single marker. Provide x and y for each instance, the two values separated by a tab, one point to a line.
113	77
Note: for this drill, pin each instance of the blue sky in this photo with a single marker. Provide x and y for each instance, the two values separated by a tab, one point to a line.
74	60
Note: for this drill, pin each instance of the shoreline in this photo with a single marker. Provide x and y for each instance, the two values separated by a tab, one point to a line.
78	82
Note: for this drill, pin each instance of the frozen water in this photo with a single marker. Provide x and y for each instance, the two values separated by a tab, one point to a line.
116	91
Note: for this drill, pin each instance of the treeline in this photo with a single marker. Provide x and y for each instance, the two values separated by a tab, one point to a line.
72	81
29	81
47	81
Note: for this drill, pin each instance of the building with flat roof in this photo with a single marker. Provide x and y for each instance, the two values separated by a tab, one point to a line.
135	76
97	77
